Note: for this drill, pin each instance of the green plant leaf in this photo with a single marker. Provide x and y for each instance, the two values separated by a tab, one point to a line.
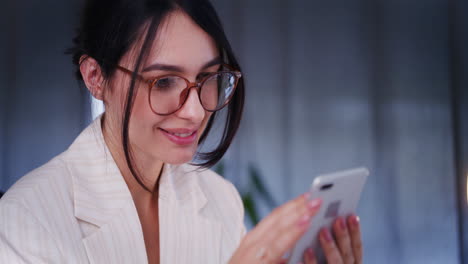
259	186
250	209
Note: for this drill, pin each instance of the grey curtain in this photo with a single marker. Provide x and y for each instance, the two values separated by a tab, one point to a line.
339	84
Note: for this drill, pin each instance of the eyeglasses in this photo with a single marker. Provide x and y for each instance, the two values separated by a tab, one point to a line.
168	93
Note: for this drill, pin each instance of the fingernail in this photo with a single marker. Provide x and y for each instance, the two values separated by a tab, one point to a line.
342	223
326	235
355	220
314	204
306	195
304	220
310	252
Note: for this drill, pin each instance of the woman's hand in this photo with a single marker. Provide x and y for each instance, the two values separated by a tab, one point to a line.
277	233
347	249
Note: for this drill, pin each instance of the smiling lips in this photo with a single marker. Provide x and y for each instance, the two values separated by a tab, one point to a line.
181	136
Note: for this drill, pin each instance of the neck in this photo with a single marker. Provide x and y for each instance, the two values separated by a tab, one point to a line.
148	170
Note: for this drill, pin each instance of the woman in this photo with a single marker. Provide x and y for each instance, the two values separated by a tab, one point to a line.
124	191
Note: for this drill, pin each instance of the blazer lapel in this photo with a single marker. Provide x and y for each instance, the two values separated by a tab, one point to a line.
187	235
111	228
112	231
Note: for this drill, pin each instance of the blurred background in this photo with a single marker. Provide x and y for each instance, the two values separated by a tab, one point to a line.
331	85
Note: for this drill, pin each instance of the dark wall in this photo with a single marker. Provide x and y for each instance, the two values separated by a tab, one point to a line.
459	37
42	109
4	63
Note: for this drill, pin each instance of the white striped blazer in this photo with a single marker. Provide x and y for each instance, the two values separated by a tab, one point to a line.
77	208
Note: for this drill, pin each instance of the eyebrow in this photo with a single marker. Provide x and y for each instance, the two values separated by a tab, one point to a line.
175	68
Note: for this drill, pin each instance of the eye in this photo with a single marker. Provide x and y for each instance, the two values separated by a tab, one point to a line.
165	83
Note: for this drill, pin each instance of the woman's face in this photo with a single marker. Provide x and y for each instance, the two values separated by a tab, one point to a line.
182	48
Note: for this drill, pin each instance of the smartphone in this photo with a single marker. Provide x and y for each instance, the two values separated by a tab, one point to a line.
340	193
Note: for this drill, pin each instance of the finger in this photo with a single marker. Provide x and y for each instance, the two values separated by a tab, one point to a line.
343	240
284	236
279	231
309	257
285	216
293	208
270	223
355	233
332	254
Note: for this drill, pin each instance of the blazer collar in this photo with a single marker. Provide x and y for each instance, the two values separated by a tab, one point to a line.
102	198
100	191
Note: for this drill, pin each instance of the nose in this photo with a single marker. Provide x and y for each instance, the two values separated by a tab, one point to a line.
192	109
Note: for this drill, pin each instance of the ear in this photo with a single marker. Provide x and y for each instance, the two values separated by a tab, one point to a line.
92	76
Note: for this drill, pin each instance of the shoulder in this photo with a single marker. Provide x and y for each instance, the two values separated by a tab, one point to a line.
39	184
51	185
28	211
45	193
23	237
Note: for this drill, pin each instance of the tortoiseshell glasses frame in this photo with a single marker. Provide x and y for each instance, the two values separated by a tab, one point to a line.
198	85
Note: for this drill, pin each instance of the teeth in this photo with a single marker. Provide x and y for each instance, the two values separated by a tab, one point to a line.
181	135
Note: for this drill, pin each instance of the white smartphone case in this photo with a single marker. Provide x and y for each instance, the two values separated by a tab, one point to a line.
340	193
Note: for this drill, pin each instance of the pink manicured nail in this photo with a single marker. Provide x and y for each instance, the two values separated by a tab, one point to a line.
304	220
342	223
314	204
310	252
355	220
326	235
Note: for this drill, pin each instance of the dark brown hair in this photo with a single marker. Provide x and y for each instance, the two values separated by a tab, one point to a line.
107	32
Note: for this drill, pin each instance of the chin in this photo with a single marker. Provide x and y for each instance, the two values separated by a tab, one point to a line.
179	157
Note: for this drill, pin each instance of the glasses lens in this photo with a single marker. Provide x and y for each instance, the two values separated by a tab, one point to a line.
165	94
168	93
217	90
